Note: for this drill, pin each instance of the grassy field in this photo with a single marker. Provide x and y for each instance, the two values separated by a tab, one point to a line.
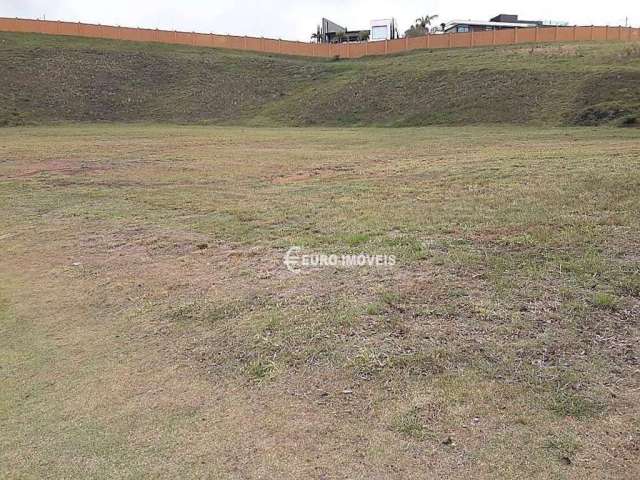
148	326
47	79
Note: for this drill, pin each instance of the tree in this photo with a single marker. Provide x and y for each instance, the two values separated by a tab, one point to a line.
317	37
340	36
416	31
425	22
364	36
421	27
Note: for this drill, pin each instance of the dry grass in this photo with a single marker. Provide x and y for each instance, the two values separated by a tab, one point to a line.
149	328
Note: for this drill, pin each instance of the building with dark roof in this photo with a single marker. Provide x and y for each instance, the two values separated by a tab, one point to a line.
500	22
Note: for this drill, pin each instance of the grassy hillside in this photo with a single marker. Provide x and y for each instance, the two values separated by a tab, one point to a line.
49	79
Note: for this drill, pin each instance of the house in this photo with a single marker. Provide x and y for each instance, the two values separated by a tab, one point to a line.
331	32
385	29
500	22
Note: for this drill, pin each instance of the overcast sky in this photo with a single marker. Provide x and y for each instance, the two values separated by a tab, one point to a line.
297	19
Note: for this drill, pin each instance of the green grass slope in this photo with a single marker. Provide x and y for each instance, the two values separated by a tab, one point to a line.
49	79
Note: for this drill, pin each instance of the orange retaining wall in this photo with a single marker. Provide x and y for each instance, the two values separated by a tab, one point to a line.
343	50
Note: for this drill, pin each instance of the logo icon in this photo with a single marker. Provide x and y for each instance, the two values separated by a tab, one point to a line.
292	259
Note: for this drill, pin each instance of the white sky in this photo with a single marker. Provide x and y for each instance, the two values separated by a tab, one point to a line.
297	19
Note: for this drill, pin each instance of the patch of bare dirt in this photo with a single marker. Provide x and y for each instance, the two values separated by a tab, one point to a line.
551	50
65	167
315	173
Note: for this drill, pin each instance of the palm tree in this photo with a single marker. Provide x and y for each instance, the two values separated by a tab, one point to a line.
421	27
317	37
424	22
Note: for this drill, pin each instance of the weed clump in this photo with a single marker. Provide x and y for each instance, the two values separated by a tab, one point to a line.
411	425
605	301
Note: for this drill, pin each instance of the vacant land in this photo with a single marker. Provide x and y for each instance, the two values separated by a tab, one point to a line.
47	79
148	326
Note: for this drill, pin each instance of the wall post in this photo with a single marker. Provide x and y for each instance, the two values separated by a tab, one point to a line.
537	34
575	29
591	33
493	37
515	35
555	39
450	39
473	39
